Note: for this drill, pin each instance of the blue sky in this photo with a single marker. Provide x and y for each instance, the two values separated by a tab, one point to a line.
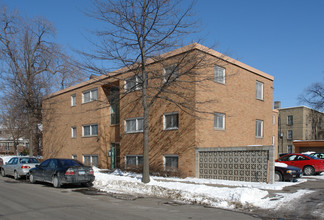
284	38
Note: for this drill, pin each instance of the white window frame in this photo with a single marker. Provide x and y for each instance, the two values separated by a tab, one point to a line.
259	129
137	81
73	100
91	130
137	128
91	158
167	168
174	72
92	93
165	122
136	160
73	132
74	157
273	120
259	90
218	115
219	74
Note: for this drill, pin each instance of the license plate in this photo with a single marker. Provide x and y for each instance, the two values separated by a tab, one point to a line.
81	172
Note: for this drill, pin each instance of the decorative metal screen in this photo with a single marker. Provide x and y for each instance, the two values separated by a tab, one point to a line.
243	165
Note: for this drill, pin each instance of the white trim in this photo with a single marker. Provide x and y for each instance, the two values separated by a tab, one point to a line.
259	90
91	92
164	121
72	133
223	120
137	130
73	100
91	131
220	78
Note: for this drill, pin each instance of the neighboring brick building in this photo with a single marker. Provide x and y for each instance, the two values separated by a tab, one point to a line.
299	123
87	122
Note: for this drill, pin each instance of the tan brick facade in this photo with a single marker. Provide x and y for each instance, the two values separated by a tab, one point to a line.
235	99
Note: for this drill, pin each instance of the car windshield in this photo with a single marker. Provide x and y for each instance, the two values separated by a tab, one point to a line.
28	160
69	163
313	157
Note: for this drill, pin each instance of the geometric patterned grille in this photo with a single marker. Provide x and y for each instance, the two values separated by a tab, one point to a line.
246	165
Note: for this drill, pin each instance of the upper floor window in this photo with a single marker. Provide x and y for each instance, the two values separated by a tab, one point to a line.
289	135
219	121
74	132
171	121
219	74
131	83
90	130
273	119
90	95
259	129
73	100
114	106
259	90
134	125
290	120
170	73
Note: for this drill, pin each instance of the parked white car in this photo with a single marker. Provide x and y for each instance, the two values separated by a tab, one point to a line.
18	166
4	160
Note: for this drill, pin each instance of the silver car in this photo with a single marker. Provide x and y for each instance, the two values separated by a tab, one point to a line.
18	166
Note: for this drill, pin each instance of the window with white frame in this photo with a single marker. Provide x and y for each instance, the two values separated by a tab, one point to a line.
259	90
219	121
90	160
135	83
290	120
273	119
74	132
171	162
273	140
73	100
90	95
90	130
133	161
289	135
219	74
133	125
171	121
170	73
74	157
259	129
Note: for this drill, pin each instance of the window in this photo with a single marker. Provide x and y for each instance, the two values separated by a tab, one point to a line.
74	157
134	83
219	121
114	106
273	140
289	149
90	95
171	162
219	74
133	161
290	120
259	129
170	73
259	90
74	132
171	121
134	125
273	119
90	160
90	130
289	135
73	100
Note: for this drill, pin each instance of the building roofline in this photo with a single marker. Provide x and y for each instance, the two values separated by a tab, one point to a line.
194	46
302	106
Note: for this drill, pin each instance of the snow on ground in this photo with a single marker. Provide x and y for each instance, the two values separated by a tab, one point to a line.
215	193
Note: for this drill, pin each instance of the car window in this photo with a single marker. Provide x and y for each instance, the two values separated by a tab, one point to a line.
312	157
52	164
13	160
45	163
69	163
300	158
284	158
292	157
23	160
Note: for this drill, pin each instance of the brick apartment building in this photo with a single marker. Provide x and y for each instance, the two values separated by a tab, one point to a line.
298	125
90	123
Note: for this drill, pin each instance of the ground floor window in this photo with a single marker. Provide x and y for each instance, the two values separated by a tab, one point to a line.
74	157
133	161
90	160
171	162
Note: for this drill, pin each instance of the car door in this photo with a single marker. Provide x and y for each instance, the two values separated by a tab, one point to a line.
50	170
39	171
12	163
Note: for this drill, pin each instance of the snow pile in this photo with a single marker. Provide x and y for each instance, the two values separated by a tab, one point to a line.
215	193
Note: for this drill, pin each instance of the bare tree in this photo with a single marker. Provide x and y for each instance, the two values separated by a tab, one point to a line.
313	96
31	63
137	32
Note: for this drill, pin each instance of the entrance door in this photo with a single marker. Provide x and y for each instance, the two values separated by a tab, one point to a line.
115	155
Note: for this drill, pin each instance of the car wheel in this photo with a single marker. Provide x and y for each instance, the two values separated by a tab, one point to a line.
16	175
56	182
31	178
308	170
278	176
3	173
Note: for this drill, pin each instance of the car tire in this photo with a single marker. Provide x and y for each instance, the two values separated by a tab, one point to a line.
278	176
56	182
16	175
308	170
3	173
31	178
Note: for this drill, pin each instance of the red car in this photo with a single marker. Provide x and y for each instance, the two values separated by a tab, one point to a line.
309	164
